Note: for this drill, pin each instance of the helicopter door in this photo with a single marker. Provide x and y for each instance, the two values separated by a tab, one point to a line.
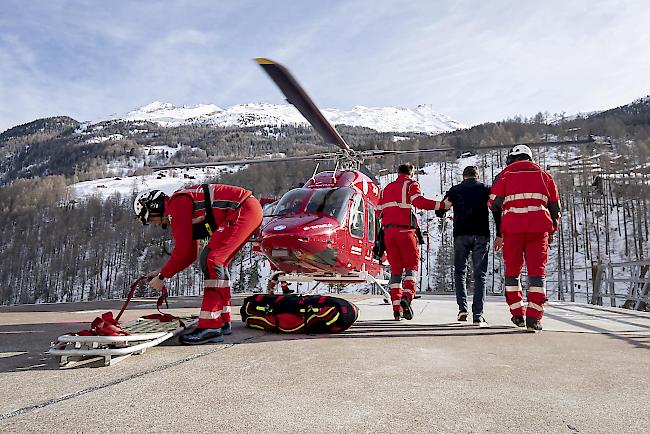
356	218
371	224
357	231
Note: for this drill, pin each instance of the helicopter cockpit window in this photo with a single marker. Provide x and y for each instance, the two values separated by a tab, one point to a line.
356	218
330	201
291	202
269	208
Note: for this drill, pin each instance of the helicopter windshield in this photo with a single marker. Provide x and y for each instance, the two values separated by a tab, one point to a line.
330	201
291	202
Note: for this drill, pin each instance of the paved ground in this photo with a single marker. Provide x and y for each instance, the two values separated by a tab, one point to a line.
587	372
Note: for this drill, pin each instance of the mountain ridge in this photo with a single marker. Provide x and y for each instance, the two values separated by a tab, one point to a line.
423	118
90	150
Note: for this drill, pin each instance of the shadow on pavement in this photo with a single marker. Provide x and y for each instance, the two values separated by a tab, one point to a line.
402	329
633	338
618	317
24	346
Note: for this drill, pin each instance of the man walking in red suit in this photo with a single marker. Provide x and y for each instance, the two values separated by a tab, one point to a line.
227	216
526	207
400	236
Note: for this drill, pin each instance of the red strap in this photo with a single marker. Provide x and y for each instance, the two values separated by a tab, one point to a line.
162	298
134	286
164	317
106	325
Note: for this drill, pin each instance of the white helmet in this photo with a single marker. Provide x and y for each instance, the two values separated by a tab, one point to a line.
519	150
149	202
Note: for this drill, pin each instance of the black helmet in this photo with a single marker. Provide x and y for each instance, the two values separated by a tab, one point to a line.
149	202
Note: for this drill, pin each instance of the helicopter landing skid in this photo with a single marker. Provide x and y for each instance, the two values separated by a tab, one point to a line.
354	277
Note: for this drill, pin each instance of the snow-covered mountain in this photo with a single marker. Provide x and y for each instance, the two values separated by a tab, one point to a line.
423	118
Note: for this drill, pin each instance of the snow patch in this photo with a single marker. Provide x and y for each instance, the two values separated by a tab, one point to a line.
101	139
166	180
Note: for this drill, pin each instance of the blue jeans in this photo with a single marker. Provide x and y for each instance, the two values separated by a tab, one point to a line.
478	246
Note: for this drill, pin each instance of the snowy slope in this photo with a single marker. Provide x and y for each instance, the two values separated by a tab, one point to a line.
421	119
166	180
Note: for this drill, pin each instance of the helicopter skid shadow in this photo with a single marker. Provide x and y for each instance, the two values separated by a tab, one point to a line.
394	329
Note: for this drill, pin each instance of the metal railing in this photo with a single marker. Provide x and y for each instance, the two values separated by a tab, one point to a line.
613	281
620	284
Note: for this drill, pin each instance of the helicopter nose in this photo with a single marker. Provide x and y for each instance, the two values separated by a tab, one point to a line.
299	245
312	242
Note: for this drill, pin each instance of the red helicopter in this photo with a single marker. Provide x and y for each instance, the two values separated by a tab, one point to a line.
325	230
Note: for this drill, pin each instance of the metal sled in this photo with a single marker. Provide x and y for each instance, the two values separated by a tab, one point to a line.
144	333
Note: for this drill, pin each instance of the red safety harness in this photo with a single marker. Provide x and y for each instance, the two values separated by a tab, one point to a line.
107	325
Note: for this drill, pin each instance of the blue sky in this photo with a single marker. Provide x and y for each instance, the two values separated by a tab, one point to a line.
475	61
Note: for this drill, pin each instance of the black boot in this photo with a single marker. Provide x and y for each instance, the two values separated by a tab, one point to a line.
518	321
406	307
533	325
397	315
226	328
202	336
478	320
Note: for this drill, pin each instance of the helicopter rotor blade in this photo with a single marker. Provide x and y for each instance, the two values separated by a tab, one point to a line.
366	171
297	96
314	157
367	154
381	152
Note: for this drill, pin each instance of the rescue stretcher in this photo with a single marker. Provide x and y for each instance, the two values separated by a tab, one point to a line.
112	341
75	350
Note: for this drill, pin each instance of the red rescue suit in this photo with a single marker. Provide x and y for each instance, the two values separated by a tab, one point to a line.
529	205
398	219
237	215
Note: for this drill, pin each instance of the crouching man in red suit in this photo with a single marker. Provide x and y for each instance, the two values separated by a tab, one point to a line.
227	216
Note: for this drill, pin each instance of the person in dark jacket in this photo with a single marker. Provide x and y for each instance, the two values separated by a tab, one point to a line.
471	235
